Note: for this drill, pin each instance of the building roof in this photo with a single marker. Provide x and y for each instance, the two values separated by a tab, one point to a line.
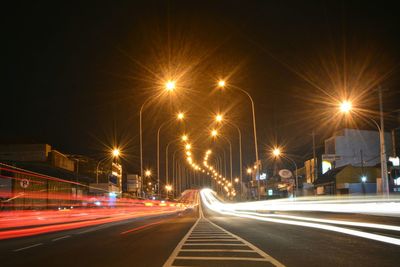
329	176
46	169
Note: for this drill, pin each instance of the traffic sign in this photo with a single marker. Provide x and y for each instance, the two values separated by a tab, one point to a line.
24	183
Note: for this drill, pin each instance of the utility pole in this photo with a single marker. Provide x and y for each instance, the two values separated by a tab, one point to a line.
384	173
314	157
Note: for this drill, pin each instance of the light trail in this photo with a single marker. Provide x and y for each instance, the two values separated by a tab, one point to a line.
22	223
214	204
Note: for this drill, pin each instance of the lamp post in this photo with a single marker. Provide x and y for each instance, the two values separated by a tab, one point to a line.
221	84
114	153
180	116
346	107
214	133
169	87
219	118
277	153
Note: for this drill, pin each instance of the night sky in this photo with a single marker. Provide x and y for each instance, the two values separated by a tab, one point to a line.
76	73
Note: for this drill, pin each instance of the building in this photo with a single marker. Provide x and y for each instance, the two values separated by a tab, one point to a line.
354	147
348	179
35	175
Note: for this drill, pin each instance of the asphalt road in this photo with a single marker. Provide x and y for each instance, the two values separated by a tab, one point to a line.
212	240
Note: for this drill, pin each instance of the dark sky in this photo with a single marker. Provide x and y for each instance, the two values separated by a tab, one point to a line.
76	73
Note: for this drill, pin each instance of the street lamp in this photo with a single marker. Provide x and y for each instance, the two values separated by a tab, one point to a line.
240	150
222	84
364	179
179	116
114	154
278	153
218	118
184	137
346	107
169	87
168	188
249	170
214	133
147	173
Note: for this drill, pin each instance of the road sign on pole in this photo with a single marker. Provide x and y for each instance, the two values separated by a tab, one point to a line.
24	183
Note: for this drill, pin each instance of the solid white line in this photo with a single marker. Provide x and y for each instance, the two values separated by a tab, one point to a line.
213	244
63	237
222	258
218	250
174	253
35	245
209	236
210	239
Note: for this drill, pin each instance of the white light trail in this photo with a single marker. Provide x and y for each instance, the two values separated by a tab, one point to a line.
214	204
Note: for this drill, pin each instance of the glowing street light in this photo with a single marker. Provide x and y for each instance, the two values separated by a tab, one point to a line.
180	116
345	106
218	118
188	146
170	86
236	180
221	85
249	170
147	173
168	188
276	152
115	152
214	133
184	137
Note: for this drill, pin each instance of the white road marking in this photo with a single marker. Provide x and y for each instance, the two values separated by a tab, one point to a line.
93	229
210	244
222	258
218	250
214	238
32	246
59	238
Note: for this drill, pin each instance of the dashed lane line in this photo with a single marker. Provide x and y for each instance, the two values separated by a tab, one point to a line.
59	238
32	246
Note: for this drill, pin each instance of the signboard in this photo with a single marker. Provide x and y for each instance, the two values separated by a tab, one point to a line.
395	161
24	183
331	157
284	173
263	176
